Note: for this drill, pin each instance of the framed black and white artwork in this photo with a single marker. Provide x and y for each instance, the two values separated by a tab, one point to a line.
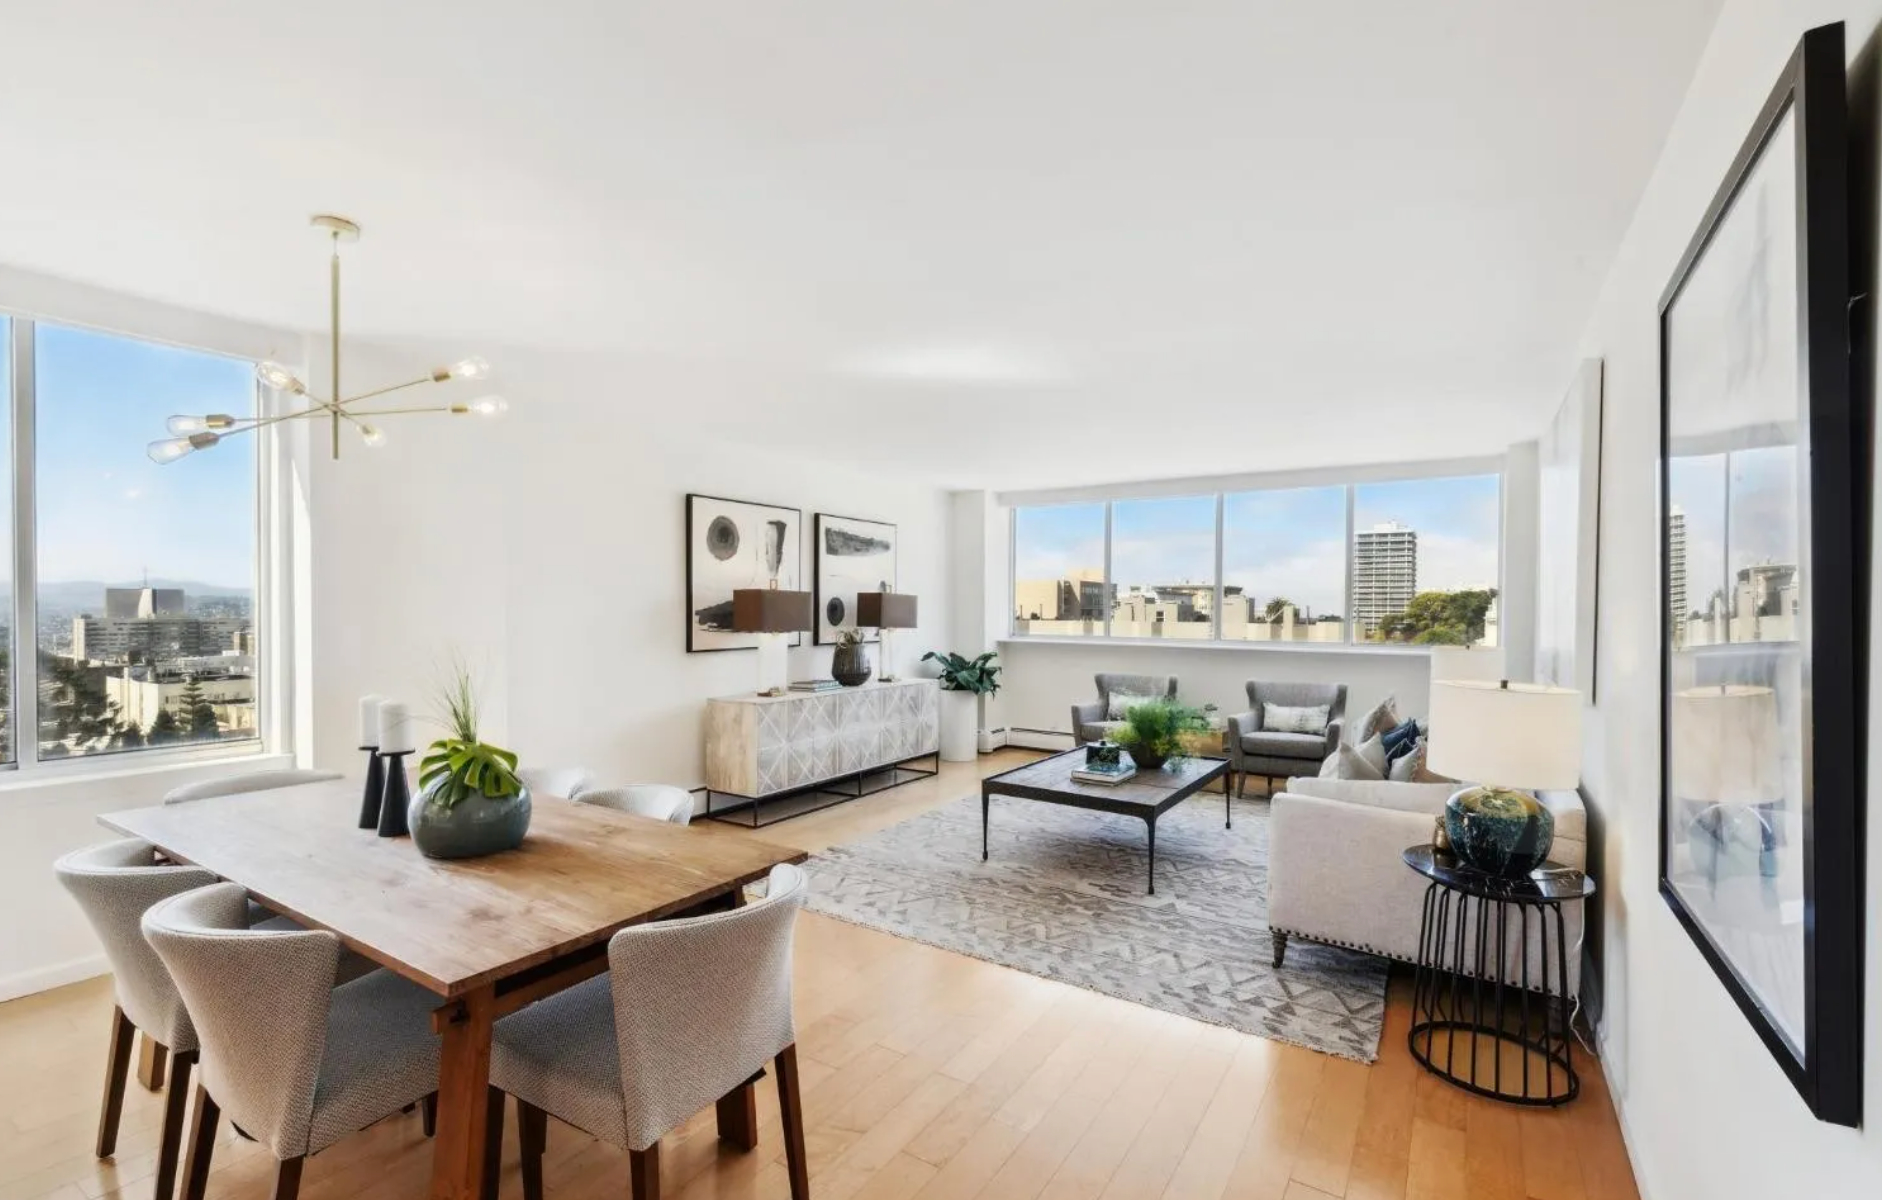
853	556
1763	570
733	544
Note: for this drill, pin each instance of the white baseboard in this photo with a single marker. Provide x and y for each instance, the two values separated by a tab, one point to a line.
992	739
1039	739
44	979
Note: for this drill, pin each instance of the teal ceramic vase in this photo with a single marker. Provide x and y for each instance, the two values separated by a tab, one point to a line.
1499	831
474	826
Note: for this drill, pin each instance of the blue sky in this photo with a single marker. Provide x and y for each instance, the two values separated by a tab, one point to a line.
1763	502
1286	542
106	512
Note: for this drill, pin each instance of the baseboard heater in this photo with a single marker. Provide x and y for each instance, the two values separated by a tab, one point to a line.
1039	739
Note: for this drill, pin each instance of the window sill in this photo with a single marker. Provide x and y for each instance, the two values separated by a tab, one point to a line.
1344	648
79	772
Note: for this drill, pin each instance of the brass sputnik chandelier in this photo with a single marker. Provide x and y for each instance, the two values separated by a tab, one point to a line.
193	433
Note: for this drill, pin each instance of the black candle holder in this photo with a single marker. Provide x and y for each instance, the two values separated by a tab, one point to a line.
374	791
397	796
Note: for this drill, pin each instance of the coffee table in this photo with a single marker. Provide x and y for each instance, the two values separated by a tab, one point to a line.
1147	795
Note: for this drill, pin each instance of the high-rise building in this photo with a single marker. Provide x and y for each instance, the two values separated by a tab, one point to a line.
149	625
1676	609
126	603
1385	573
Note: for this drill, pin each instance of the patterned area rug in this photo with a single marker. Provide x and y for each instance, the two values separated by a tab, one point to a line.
1063	897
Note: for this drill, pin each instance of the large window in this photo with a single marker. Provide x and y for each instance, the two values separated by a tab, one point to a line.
142	596
1407	561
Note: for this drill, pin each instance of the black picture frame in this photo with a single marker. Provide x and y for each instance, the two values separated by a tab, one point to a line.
1823	661
821	590
788	578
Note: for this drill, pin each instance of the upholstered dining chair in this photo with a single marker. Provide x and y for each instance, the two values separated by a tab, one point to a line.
113	885
657	801
566	782
249	781
689	1012
295	1062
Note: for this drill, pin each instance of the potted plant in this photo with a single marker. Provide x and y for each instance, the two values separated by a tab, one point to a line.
470	801
849	666
963	682
1157	730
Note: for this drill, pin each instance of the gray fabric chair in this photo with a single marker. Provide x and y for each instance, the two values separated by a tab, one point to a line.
655	801
1276	754
297	1062
566	782
114	884
688	1014
250	781
1089	721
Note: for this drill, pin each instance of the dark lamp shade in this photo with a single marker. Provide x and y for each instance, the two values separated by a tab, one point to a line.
767	610
885	610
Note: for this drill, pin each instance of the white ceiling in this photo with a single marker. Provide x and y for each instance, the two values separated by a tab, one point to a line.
1033	237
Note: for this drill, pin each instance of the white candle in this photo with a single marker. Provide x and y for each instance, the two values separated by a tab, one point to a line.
369	719
395	728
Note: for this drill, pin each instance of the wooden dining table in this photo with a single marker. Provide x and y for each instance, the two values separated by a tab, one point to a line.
488	935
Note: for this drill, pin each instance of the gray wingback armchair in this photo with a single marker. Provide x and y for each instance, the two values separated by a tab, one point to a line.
1089	723
1275	754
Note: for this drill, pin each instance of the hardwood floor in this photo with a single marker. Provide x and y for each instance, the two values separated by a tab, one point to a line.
924	1074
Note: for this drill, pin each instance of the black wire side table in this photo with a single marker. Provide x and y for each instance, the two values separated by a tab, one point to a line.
1482	1018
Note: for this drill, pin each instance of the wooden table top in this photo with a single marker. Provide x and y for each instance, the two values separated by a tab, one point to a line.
453	926
1175	780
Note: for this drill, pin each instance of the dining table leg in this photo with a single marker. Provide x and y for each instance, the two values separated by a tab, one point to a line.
458	1151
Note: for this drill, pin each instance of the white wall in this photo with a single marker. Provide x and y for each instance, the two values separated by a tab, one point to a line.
1707	1112
1044	679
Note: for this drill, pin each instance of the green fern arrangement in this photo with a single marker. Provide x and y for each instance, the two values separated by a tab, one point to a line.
460	765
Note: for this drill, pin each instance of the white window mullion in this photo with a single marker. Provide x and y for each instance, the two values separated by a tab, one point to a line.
1352	548
1220	597
25	682
1104	596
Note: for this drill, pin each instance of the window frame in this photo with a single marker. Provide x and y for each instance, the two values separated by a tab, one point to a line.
268	620
1349	478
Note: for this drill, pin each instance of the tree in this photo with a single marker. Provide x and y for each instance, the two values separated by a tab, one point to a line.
198	712
1440	618
73	706
129	737
1278	607
163	729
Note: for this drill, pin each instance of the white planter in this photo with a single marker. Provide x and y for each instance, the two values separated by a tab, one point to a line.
960	726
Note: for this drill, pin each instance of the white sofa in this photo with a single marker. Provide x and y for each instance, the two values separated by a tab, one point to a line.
1336	875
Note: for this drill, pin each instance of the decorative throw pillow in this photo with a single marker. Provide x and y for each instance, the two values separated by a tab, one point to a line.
1372	750
1414	767
1121	703
1400	739
1280	718
1404	768
1345	763
1381	718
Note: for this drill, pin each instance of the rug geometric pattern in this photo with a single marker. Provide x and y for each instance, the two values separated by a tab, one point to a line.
1063	897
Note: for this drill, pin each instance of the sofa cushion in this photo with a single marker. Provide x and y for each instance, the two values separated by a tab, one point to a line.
1384	716
1372	750
1283	718
1275	744
1425	798
1347	763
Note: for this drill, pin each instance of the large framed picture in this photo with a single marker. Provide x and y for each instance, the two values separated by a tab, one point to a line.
853	556
733	544
1762	569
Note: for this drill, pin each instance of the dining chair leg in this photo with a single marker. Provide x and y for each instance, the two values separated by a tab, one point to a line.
428	1109
287	1178
171	1143
532	1133
791	1110
738	1116
202	1145
151	1057
117	1075
643	1172
493	1141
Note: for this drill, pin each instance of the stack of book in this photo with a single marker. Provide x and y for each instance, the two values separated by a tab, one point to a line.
816	685
1107	774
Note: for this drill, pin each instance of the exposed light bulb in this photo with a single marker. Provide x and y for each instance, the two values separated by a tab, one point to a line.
185	425
278	377
470	368
168	450
489	406
171	449
372	435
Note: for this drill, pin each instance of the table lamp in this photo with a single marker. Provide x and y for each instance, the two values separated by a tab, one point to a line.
771	613
1512	738
1464	662
885	610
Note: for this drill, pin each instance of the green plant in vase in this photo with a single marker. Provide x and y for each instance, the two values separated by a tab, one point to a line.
1158	730
470	800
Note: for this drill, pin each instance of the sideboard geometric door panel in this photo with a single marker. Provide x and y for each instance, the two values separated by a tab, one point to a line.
762	745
